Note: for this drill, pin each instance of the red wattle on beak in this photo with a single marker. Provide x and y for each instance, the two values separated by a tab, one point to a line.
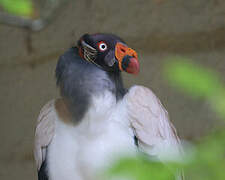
133	66
127	59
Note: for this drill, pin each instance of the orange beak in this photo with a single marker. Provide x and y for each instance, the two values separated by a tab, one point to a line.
127	59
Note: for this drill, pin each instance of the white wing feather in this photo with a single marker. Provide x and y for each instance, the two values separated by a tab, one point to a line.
155	133
44	133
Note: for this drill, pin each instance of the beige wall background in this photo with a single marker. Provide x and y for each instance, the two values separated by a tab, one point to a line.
156	29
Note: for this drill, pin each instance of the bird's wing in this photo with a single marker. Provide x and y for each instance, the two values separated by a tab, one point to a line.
44	133
155	133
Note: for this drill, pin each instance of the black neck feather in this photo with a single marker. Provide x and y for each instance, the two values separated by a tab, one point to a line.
116	78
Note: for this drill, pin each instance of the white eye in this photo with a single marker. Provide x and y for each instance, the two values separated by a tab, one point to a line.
102	46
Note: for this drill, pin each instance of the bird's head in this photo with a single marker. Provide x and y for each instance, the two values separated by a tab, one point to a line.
108	52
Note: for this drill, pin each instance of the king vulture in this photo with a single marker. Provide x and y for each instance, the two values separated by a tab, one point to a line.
96	118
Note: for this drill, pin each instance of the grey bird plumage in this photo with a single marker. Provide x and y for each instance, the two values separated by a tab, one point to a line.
79	79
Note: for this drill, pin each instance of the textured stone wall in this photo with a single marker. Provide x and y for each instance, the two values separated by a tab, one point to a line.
154	28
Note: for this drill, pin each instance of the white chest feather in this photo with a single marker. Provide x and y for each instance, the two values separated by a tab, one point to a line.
77	152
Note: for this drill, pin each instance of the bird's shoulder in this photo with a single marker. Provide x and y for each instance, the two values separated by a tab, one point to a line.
149	118
144	99
54	110
44	132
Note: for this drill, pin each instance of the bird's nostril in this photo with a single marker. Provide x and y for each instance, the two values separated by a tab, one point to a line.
123	50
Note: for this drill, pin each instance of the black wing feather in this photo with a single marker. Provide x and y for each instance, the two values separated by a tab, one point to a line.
42	173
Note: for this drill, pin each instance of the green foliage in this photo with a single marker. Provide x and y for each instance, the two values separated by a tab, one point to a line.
207	163
18	7
218	103
208	159
196	81
140	168
192	78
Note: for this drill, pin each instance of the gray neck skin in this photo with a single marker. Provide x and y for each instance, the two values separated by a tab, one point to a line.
79	80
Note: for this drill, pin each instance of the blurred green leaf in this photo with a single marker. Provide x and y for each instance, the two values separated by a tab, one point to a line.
192	78
218	103
209	162
196	81
140	168
18	7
